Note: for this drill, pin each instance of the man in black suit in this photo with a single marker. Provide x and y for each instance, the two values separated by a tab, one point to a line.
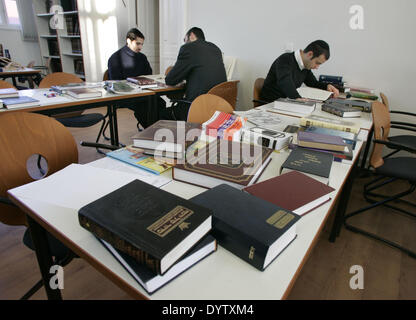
130	62
290	70
200	63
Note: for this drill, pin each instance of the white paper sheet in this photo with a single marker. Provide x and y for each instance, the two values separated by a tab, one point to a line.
313	93
77	185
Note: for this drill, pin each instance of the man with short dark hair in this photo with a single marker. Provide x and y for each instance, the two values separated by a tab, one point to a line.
130	62
199	63
290	70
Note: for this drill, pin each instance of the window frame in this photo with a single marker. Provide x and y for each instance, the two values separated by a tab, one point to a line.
4	24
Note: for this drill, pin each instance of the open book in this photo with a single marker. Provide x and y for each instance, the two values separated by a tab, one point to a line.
314	93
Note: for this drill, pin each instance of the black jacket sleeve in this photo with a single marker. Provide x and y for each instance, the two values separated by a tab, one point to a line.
311	81
285	81
114	68
147	67
181	68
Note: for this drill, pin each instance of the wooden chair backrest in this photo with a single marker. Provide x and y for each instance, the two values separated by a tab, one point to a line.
6	85
168	70
58	79
258	85
23	135
226	90
203	108
105	76
381	122
384	100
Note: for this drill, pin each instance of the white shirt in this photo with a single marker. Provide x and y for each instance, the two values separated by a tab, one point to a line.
299	60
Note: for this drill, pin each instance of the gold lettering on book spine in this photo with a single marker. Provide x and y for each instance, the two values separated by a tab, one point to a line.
251	253
170	221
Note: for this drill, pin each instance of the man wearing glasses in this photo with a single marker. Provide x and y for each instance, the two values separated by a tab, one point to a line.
200	63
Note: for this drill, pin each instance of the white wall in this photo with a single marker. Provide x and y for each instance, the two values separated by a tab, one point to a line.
256	32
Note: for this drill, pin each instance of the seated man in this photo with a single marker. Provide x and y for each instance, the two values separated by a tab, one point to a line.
290	70
130	62
200	64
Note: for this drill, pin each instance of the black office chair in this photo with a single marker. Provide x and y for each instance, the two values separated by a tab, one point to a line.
387	170
73	119
23	135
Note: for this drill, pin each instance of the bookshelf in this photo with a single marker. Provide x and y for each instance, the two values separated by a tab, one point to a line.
61	48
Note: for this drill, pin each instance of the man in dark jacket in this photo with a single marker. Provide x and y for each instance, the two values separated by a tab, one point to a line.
200	63
130	62
290	70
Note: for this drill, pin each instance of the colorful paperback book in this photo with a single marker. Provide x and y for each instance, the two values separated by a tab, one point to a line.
137	158
224	126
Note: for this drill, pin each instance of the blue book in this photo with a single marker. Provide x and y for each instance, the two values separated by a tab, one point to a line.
348	137
137	158
20	102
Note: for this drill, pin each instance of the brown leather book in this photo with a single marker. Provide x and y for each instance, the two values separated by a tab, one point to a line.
221	161
167	136
292	191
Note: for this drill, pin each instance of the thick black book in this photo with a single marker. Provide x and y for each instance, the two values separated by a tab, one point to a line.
153	226
253	229
152	281
316	164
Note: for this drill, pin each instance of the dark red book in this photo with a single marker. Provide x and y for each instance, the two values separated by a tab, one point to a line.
293	191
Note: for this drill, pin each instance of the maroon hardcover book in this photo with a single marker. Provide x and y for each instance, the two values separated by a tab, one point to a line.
293	191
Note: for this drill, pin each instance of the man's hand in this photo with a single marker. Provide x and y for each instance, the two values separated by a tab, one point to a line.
334	90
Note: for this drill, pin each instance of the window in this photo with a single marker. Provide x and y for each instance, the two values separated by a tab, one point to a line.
9	15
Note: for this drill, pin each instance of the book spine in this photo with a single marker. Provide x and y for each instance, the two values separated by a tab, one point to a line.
139	255
243	246
315	123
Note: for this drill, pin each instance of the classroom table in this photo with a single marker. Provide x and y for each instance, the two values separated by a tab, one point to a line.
221	275
25	72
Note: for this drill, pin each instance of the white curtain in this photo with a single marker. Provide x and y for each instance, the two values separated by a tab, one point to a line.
27	20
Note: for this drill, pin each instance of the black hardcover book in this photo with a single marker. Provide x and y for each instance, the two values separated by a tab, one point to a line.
314	163
253	229
152	281
153	226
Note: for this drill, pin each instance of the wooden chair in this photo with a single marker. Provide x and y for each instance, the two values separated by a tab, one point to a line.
6	85
258	85
226	90
168	70
203	108
73	119
387	171
21	136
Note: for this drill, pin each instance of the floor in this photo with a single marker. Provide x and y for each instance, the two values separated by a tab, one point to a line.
327	274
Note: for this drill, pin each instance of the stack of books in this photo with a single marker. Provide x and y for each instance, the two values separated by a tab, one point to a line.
167	138
330	123
340	109
224	126
19	102
362	92
336	81
255	230
363	106
220	161
154	234
9	93
348	137
292	105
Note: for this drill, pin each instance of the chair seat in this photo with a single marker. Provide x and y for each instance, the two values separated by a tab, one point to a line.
402	168
405	140
82	121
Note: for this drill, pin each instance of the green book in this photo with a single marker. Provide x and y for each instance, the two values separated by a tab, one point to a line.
363	95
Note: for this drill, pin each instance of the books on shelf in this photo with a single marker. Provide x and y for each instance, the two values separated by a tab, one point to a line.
224	126
361	105
293	105
9	93
167	136
152	281
340	109
153	226
144	82
253	229
314	93
83	93
221	161
293	191
315	164
137	158
20	102
330	123
320	141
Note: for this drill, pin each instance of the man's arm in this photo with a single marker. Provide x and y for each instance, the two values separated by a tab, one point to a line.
311	81
181	68
114	69
147	68
285	82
